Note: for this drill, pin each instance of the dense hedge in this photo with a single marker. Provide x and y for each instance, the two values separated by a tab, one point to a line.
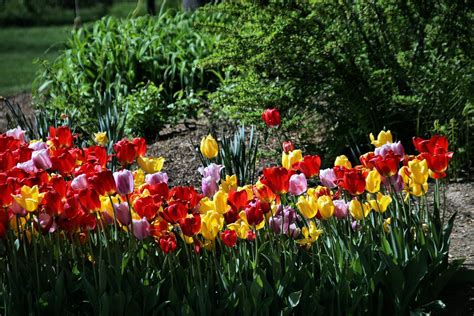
113	59
361	65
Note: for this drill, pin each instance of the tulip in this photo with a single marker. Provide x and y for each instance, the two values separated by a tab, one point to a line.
277	178
141	228
290	158
209	186
167	243
213	171
358	209
419	170
372	181
271	117
126	152
17	209
124	181
310	166
381	203
298	184
79	182
311	234
151	165
382	138
328	178
288	146
103	182
353	181
211	223
325	206
230	183
238	199
29	198
307	206
101	138
229	238
41	159
6	197
28	166
254	213
123	213
436	144
209	147
175	212
396	148
190	225
37	145
366	158
241	228
61	137
16	133
386	224
343	161
387	165
155	178
340	208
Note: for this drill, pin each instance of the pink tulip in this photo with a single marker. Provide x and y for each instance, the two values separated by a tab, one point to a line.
124	181
328	178
155	178
79	182
16	133
27	166
123	213
141	228
41	159
298	184
340	208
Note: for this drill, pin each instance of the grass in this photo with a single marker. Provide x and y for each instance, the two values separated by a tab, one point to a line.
20	48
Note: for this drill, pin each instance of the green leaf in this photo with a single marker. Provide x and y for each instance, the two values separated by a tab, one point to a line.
294	298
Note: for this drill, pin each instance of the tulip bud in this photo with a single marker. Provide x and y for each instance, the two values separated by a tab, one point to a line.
124	181
209	147
123	213
141	228
271	117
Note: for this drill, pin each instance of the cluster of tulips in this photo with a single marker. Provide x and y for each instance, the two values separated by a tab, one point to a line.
55	187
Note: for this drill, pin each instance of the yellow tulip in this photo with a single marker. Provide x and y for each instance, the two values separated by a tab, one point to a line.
249	190
325	206
209	147
358	209
419	170
343	161
106	205
382	138
101	138
138	177
230	183
211	223
290	158
218	203
151	165
372	182
240	227
29	198
307	206
381	203
310	233
386	224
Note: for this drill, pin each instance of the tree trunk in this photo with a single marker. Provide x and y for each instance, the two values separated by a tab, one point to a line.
193	4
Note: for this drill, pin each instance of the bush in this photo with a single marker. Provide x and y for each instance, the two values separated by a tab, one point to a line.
113	59
360	66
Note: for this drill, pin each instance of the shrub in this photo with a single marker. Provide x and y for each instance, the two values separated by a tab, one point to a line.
113	59
360	66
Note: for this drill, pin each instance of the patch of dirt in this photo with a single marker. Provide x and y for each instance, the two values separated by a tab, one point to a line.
24	100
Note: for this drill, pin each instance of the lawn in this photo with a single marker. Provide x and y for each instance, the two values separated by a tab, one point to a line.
19	50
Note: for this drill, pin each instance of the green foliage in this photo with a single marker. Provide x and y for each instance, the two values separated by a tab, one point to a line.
361	66
114	59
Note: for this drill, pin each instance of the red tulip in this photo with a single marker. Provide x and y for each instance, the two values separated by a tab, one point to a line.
288	146
103	182
438	163
237	199
140	146
63	161
271	117
175	212
146	207
277	179
387	166
167	243
433	145
5	195
61	137
310	166
366	158
353	181
229	238
190	225
126	152
89	200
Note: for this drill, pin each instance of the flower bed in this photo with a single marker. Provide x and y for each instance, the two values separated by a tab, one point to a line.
84	231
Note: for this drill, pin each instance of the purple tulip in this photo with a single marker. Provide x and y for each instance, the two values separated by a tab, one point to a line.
284	221
213	171
41	159
397	149
298	184
16	133
395	182
141	228
124	181
209	186
38	146
328	178
123	213
155	178
79	182
27	166
294	231
17	209
355	226
340	208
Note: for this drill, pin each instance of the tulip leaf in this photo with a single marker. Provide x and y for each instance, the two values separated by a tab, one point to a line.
294	298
